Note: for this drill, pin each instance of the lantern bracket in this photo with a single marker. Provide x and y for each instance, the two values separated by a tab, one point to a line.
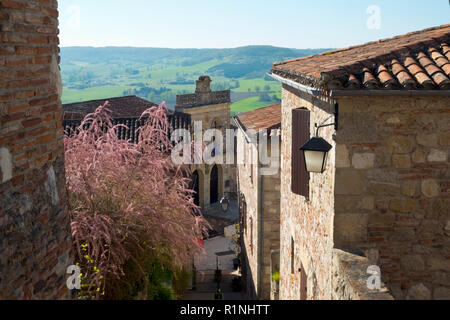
322	125
335	124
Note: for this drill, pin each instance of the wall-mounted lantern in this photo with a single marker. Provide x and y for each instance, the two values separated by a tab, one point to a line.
316	150
316	154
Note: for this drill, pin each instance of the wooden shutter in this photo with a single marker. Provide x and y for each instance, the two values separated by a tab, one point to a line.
300	135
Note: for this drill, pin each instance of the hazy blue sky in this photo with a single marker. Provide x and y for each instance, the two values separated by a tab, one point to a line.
233	23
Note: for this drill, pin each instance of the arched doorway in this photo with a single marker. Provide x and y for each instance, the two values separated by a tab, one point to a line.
196	187
214	185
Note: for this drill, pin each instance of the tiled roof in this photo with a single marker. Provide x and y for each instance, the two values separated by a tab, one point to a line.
121	107
414	61
261	119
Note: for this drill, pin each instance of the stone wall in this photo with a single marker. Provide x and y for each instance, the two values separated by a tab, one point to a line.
202	96
207	115
261	234
349	281
393	190
249	189
35	238
271	229
307	222
201	99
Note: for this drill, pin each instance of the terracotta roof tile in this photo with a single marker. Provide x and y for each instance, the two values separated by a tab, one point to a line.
385	77
121	107
417	60
353	82
266	118
441	60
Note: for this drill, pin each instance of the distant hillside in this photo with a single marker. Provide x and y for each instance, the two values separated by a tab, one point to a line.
160	74
93	55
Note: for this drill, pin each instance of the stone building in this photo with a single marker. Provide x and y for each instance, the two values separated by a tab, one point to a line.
259	201
35	237
212	110
384	197
123	110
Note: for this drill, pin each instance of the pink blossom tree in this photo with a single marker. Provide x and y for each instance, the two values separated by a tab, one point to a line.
128	199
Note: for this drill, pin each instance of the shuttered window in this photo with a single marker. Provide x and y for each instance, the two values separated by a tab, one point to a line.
300	135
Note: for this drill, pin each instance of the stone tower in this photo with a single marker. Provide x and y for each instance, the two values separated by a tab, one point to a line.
212	108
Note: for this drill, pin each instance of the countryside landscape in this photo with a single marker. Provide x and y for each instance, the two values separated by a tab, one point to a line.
159	74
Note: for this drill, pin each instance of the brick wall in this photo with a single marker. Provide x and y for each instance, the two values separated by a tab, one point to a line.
35	239
393	190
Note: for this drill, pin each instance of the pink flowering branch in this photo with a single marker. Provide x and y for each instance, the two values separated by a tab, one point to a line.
128	198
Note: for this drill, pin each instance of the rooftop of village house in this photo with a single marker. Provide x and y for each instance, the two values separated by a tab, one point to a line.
414	61
121	107
261	119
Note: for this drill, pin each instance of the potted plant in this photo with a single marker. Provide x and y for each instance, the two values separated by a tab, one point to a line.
276	280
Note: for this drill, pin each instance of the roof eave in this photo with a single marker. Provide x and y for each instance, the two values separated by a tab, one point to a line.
296	85
392	93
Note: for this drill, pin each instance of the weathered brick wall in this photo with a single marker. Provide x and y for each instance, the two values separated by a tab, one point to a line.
393	190
35	238
309	222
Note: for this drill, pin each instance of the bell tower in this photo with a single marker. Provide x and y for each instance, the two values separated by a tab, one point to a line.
203	85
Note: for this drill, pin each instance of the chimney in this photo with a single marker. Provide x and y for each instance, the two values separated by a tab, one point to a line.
203	85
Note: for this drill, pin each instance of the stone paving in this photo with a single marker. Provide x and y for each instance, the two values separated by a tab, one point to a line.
221	250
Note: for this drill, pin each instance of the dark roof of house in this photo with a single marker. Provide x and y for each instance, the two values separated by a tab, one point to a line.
121	107
414	61
266	118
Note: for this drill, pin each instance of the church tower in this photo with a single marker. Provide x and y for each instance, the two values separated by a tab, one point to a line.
212	108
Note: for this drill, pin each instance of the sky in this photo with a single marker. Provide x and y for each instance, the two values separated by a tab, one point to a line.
233	23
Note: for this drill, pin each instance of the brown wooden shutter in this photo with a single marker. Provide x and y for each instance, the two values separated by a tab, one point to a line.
300	135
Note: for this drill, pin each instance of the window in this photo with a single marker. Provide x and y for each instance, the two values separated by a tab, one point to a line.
300	135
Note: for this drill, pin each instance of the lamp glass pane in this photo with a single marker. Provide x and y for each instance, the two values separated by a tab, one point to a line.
314	160
325	161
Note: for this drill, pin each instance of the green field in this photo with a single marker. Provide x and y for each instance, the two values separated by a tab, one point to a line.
94	93
160	74
248	105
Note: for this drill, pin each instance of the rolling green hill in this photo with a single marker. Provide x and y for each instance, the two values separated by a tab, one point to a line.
159	74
